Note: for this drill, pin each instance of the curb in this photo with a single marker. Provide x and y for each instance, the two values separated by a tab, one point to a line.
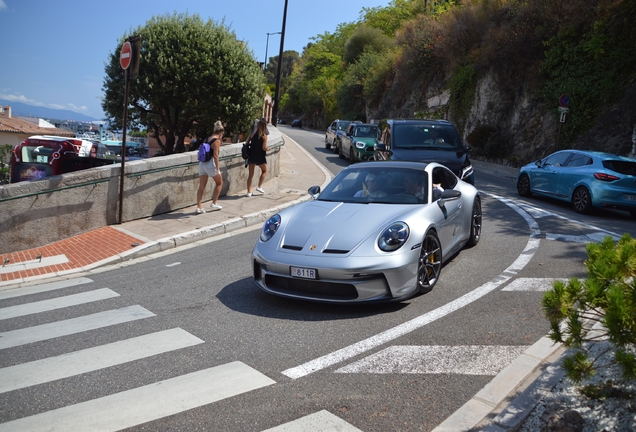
493	408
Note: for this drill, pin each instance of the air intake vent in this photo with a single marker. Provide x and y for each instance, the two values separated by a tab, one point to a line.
296	248
335	251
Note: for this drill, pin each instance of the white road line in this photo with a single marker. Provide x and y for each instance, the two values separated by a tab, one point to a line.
532	284
31	264
18	292
144	404
416	323
321	421
464	360
594	237
56	303
71	326
92	359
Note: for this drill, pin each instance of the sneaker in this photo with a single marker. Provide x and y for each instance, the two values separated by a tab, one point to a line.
258	189
199	211
215	207
249	194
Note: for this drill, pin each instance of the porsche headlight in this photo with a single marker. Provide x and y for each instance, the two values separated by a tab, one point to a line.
360	144
393	237
270	227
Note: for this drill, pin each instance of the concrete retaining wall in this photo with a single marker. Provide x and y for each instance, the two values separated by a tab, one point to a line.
37	213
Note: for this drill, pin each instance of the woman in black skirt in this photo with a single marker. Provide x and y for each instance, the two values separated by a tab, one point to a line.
258	151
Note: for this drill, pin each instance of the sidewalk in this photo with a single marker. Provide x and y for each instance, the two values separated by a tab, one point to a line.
500	406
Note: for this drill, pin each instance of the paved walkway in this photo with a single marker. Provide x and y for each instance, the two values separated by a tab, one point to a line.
500	406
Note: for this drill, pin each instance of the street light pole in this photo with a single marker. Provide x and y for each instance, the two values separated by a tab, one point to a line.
280	65
266	46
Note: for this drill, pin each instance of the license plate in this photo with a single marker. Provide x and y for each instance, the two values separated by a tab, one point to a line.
305	273
630	197
41	159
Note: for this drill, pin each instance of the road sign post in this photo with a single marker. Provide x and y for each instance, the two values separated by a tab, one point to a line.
129	55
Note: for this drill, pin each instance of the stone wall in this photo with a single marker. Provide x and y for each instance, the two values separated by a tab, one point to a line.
37	213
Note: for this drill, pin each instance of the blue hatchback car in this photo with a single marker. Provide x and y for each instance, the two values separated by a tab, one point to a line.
587	179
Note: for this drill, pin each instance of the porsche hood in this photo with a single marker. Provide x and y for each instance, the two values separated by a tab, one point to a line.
319	227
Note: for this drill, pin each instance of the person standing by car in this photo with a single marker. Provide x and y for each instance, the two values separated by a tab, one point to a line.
258	151
212	169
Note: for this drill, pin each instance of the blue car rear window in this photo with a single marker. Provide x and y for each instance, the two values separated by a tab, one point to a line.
622	167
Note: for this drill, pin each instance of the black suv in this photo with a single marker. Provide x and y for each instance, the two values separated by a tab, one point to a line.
426	141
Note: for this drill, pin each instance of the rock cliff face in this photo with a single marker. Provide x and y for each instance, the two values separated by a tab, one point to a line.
528	129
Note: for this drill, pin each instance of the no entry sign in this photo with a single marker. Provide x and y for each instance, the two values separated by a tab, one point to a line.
125	55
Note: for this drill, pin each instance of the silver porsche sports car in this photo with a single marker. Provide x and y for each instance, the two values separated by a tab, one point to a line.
380	231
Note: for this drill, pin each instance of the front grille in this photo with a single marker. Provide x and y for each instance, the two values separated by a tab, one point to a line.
311	288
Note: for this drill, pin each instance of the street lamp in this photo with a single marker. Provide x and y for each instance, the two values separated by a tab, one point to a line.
266	46
280	64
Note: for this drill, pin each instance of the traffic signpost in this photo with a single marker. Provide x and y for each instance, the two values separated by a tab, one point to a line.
564	101
129	55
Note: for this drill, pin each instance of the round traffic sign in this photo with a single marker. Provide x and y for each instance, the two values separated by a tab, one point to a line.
125	55
564	100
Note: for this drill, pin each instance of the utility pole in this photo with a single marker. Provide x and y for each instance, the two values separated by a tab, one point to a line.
280	65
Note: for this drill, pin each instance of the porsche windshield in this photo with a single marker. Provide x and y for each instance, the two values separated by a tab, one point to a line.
378	185
424	137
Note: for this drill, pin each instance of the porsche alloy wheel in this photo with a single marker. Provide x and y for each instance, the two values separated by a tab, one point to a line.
429	266
475	223
523	186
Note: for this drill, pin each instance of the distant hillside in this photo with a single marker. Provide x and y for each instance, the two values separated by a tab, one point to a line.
21	109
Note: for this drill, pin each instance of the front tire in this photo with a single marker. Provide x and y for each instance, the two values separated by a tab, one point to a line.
523	186
475	223
352	156
327	145
429	265
340	153
582	200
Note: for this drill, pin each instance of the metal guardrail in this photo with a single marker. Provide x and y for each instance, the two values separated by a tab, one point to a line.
48	191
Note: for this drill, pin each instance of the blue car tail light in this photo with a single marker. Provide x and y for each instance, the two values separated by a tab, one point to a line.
605	177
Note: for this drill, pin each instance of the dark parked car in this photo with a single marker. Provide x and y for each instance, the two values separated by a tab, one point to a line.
587	179
335	129
358	142
297	123
426	141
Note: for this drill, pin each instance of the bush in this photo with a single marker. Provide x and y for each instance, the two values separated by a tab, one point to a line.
5	151
603	307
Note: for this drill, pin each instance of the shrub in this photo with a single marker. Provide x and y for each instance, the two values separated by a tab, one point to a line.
603	307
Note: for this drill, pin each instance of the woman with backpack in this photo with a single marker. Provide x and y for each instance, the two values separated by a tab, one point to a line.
212	169
258	151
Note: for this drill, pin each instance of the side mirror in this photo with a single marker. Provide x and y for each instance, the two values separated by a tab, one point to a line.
448	195
314	191
538	163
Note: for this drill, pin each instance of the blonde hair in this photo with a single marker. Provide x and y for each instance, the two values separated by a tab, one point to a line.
262	128
218	127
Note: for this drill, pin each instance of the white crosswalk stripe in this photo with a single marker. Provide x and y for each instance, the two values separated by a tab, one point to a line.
532	284
147	403
56	303
464	360
91	359
71	326
51	286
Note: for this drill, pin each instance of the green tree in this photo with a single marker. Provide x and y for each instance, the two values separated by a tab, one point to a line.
602	307
191	74
366	38
5	151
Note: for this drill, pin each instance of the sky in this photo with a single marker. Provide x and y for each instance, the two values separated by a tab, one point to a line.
53	52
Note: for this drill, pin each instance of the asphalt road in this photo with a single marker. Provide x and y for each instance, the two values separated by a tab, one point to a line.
228	357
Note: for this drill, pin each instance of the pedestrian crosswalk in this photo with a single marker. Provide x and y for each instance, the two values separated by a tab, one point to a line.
119	410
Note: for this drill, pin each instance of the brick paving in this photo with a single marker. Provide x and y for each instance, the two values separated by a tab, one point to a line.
81	250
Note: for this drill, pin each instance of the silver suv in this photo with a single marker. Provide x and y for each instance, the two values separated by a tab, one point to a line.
335	129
